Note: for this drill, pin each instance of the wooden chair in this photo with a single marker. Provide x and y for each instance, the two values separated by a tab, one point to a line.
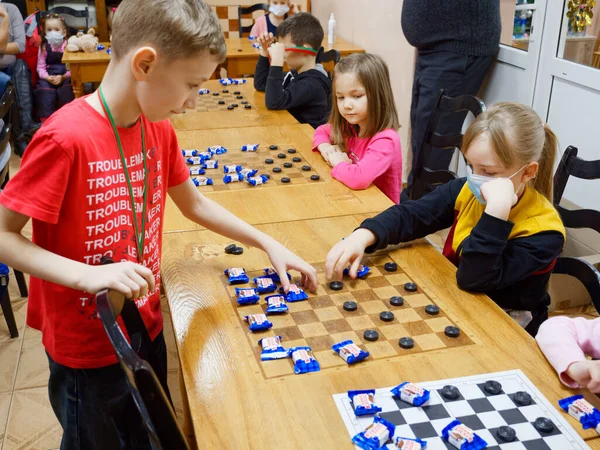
570	165
66	11
424	178
596	54
144	378
244	12
329	58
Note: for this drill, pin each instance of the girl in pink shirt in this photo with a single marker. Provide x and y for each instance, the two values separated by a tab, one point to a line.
361	142
566	342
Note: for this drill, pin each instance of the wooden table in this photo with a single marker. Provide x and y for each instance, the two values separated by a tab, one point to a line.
241	57
258	116
86	67
272	203
232	405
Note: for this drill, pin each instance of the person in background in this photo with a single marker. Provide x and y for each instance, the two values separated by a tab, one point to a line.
456	42
278	12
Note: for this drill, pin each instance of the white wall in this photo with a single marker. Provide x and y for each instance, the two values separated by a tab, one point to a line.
375	26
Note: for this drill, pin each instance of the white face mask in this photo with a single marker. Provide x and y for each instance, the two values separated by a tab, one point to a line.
279	10
476	181
55	38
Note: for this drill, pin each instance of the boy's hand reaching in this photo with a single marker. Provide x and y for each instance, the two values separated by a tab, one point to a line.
283	259
350	250
130	279
586	374
265	40
277	53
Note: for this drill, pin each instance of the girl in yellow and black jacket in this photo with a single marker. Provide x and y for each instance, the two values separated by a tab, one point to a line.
505	235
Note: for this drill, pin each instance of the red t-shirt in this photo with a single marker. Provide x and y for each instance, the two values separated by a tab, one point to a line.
72	184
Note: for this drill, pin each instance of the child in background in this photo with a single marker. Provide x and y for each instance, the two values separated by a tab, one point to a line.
305	91
54	88
361	141
94	181
505	234
278	12
566	342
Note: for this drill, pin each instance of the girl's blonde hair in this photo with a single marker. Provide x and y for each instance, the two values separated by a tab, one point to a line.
372	72
518	135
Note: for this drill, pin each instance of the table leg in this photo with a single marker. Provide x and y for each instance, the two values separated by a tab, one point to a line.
76	80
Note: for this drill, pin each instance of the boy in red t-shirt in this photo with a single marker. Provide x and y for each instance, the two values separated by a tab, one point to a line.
83	171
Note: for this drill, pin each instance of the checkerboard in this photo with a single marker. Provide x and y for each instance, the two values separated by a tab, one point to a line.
210	102
477	409
256	160
321	321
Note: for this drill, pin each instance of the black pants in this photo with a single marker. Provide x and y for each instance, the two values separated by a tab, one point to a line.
436	70
94	406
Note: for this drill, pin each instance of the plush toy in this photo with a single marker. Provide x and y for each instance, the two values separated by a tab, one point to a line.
83	42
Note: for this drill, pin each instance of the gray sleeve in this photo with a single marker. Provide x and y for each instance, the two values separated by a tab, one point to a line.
18	28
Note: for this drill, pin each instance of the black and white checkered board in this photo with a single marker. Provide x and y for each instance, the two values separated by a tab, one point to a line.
475	408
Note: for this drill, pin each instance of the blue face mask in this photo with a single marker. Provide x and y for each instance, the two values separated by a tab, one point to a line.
476	181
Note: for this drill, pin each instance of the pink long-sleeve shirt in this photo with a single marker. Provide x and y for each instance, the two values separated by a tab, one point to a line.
375	160
564	341
42	67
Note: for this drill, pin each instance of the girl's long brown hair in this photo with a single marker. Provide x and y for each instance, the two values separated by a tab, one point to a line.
518	135
372	72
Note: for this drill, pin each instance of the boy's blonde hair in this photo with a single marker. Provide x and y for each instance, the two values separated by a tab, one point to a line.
177	28
372	72
517	134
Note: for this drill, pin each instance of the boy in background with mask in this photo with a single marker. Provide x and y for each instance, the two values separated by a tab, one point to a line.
505	234
278	12
54	88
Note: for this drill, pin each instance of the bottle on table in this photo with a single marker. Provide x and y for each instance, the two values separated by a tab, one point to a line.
331	30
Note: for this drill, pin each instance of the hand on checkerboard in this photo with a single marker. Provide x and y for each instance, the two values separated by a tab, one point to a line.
265	40
586	374
130	279
283	259
349	251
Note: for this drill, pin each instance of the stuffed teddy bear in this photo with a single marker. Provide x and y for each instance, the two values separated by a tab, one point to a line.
83	42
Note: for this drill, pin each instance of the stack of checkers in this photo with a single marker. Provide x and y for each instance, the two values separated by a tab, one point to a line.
281	163
322	320
227	99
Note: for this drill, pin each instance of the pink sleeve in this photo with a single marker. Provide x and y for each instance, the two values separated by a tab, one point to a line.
321	136
374	162
564	341
41	64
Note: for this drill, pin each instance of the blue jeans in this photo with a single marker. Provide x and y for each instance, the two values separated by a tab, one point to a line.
95	408
4	78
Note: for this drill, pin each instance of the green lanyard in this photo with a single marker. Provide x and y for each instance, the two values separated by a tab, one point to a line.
138	236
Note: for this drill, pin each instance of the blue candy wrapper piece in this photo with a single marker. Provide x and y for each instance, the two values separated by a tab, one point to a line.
202	181
189	152
255	181
248	172
411	393
295	294
100	47
203	91
361	272
272	349
233	177
210	164
251	38
403	443
276	304
195	161
376	435
264	285
304	360
197	170
230	81
109	51
250	147
205	155
350	352
256	45
364	402
232	168
246	296
462	437
237	275
258	322
216	150
273	275
582	410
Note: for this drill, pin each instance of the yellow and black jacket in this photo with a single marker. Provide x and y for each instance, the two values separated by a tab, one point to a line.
509	260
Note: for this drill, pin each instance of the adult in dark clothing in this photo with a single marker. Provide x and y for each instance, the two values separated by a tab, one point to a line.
456	41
